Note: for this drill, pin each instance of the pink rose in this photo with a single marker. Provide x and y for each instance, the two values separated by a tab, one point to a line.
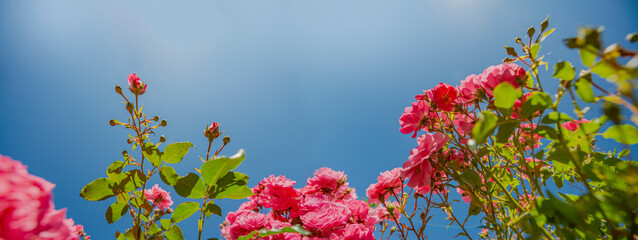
26	206
278	193
506	72
573	124
326	180
466	196
468	88
212	131
135	84
159	197
326	217
242	222
412	118
389	182
444	96
418	168
463	123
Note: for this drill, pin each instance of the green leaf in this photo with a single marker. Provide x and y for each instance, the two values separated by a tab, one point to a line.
212	208
588	55
174	152
505	130
153	229
115	170
538	101
534	50
625	134
190	186
623	153
632	37
471	177
235	192
168	175
584	90
99	189
555	117
116	211
232	185
184	211
165	223
152	154
214	169
134	179
174	233
505	95
546	34
564	70
484	127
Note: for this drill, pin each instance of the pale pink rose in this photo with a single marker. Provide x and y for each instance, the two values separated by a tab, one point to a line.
278	193
468	88
250	205
326	180
465	195
26	206
418	168
242	222
573	124
463	123
326	217
389	182
506	72
158	197
444	96
412	118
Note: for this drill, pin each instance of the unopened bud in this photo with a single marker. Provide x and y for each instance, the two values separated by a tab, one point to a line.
112	122
118	89
163	123
129	107
156	118
393	229
162	139
129	141
212	131
226	139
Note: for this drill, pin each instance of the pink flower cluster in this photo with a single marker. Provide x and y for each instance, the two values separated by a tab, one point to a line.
444	111
327	207
158	197
26	207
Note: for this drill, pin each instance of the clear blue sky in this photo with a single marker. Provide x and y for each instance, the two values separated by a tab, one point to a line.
298	84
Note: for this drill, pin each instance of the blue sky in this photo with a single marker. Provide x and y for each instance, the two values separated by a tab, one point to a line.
298	84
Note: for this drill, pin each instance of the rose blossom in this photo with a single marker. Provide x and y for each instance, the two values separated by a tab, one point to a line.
327	216
135	84
278	193
444	96
412	118
325	179
242	222
418	167
468	88
506	72
26	206
573	124
388	181
465	195
463	123
158	196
